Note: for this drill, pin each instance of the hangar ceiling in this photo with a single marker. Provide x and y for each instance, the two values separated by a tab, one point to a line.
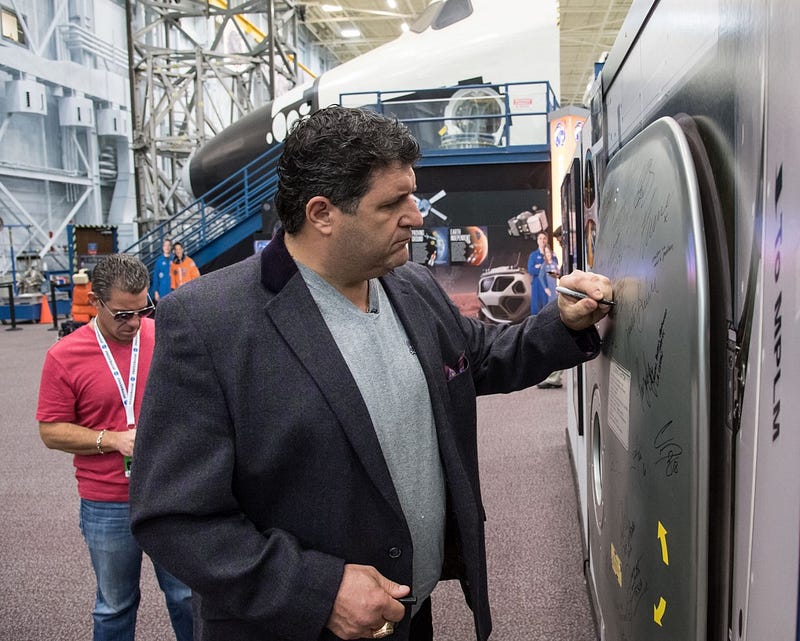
588	28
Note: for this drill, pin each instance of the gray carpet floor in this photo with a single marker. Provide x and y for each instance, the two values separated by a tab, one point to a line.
536	582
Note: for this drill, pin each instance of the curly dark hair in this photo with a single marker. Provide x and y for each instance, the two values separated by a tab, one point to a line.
122	271
334	153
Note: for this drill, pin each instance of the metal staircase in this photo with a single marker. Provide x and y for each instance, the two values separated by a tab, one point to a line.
224	216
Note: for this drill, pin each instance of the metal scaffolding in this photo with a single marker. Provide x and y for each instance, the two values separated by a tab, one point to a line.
195	68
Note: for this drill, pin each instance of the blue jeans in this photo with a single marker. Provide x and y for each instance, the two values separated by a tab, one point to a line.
117	562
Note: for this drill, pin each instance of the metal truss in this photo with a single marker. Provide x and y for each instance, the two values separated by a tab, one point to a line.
196	67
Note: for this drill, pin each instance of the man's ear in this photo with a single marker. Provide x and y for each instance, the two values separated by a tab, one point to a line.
318	214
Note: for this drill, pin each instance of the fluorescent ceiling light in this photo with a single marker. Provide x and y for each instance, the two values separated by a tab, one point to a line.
392	4
351	33
331	8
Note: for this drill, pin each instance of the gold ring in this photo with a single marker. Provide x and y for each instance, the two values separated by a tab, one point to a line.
384	631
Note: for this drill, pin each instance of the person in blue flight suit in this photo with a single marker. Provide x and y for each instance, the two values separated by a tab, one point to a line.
161	281
535	262
548	274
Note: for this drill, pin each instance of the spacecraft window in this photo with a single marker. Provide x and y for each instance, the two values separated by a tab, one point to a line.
442	14
452	12
426	17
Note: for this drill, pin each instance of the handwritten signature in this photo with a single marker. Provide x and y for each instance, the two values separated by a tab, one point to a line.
669	450
649	383
638	463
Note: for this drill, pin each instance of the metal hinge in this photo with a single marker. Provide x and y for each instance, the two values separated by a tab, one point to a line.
734	381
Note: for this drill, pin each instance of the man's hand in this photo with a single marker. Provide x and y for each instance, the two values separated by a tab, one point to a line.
366	600
578	314
120	441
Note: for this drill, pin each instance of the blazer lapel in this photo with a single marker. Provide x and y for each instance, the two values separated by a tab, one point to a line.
423	337
313	344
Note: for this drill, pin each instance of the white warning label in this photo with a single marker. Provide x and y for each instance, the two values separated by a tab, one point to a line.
619	401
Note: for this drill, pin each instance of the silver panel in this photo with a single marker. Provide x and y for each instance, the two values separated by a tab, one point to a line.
771	576
648	442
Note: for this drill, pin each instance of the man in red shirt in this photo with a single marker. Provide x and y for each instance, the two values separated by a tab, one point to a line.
89	398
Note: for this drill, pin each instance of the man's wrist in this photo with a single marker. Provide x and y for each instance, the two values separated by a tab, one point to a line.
588	340
99	441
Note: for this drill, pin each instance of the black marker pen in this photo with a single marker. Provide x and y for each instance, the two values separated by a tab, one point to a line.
576	294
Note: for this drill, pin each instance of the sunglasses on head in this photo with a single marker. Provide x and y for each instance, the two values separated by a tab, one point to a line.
127	315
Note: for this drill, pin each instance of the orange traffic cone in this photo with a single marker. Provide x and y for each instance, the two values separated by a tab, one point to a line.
46	316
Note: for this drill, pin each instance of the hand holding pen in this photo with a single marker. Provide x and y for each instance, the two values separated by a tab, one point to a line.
584	299
581	295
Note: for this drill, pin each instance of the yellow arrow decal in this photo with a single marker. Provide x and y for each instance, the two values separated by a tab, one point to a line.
616	565
659	610
662	536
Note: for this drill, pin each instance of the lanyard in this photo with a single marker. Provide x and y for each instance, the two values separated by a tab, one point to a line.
128	395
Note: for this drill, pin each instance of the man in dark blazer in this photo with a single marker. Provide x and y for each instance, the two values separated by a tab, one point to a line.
306	458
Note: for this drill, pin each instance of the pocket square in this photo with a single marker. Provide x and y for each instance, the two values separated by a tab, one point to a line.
462	365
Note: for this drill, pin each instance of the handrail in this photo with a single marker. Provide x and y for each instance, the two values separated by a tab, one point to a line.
520	120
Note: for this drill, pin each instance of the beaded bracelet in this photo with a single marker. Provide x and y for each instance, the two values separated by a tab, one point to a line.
100	441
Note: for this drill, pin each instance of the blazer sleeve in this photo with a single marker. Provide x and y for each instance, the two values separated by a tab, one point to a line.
510	358
504	358
184	512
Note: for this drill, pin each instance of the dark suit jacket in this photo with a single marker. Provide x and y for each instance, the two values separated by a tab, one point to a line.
257	473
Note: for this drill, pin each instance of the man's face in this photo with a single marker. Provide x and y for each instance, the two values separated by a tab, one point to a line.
166	247
375	239
119	301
